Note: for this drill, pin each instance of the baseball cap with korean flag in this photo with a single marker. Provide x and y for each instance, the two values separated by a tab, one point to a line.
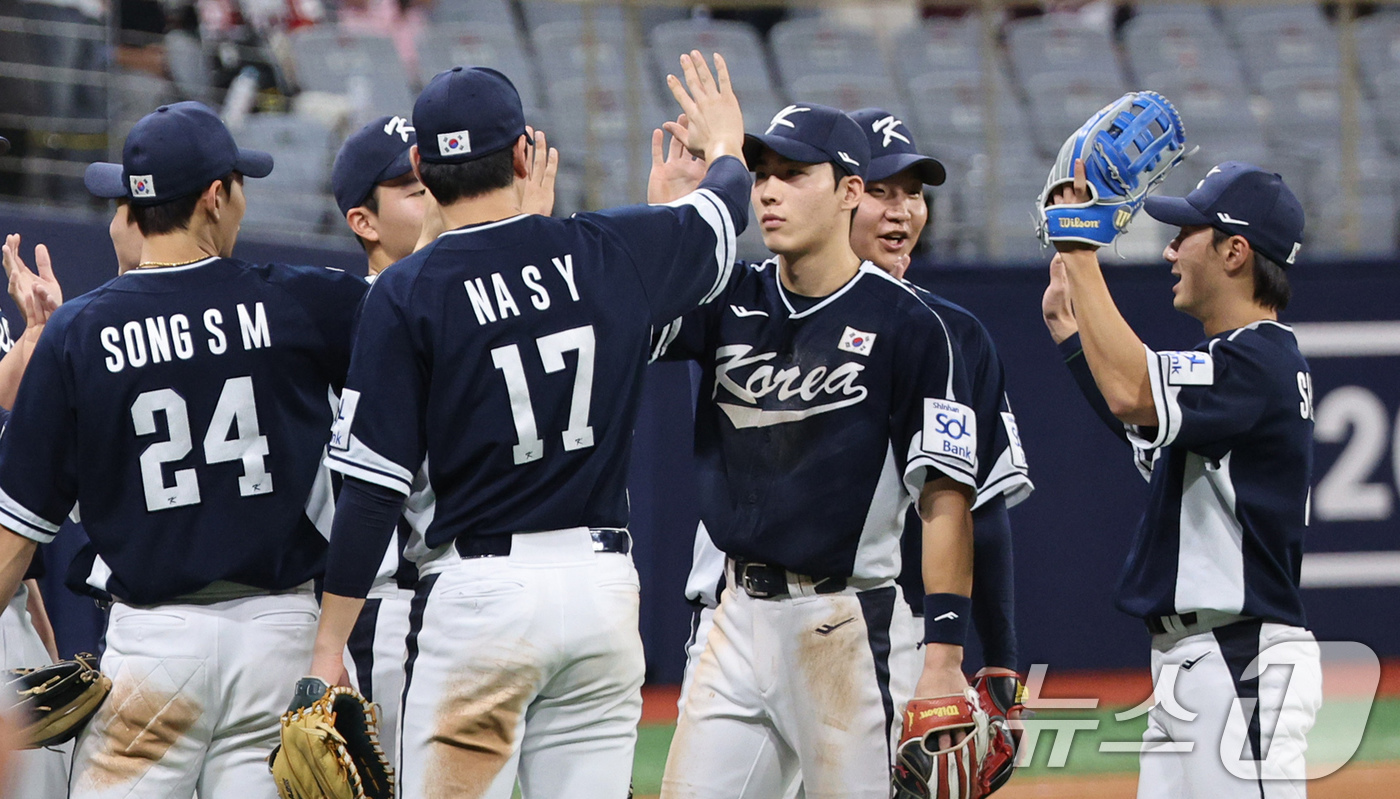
1241	200
173	152
892	149
465	113
813	134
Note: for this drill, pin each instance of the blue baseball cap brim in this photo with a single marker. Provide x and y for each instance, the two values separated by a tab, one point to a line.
106	180
928	169
1175	211
790	149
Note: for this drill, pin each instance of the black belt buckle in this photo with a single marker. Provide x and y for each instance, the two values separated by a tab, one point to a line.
611	541
760	580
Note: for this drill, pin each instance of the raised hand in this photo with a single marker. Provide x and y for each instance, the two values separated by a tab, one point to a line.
716	124
544	167
674	171
1055	305
24	283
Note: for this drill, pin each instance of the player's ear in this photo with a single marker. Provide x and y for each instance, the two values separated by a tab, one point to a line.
415	159
211	200
362	223
851	188
1238	255
520	157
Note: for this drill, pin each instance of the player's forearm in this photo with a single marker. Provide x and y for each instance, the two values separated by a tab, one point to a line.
40	615
1114	352
338	615
13	364
15	553
947	518
365	517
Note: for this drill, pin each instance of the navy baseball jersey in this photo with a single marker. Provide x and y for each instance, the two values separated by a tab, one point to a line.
185	409
820	421
1229	464
506	360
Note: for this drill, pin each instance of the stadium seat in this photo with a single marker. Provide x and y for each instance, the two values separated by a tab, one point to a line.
1242	17
567	52
848	92
738	42
365	67
612	15
1061	102
475	12
616	127
1378	47
1306	107
760	106
301	150
1049	45
1193	42
949	107
1387	88
940	45
487	45
808	47
1211	105
1151	8
1285	39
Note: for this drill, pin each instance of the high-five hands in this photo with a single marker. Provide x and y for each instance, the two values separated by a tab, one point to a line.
715	123
674	171
37	295
544	167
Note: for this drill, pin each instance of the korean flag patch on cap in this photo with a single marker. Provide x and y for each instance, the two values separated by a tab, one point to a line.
142	186
856	341
455	143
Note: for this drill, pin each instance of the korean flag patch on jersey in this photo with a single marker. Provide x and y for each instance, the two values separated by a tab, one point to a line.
950	430
856	341
1188	368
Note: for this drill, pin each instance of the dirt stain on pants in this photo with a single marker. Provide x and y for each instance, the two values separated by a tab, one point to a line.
474	733
136	727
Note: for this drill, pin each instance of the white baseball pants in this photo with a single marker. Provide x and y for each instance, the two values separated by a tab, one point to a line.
39	773
197	693
525	665
374	658
820	680
1241	698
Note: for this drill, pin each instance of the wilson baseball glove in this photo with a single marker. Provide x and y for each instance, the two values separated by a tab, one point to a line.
330	750
57	701
972	768
1128	147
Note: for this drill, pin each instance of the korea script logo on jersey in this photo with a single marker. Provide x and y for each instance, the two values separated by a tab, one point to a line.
1188	368
819	390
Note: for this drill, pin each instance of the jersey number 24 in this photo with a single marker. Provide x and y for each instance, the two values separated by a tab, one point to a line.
232	435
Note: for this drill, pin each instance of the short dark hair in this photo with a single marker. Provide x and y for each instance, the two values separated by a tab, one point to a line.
1271	287
167	217
452	182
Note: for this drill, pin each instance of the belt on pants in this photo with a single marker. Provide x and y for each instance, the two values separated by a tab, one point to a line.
1192	621
498	546
768	581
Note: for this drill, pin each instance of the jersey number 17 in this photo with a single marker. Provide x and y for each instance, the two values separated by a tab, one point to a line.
578	435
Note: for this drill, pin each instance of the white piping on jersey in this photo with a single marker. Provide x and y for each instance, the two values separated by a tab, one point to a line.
948	339
27	523
716	215
146	270
484	225
664	340
830	298
1255	326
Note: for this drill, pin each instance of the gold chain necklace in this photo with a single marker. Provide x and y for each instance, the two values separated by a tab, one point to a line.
145	264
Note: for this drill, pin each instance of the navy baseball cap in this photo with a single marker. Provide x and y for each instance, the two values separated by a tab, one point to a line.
1242	200
465	113
892	148
813	134
173	152
374	154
